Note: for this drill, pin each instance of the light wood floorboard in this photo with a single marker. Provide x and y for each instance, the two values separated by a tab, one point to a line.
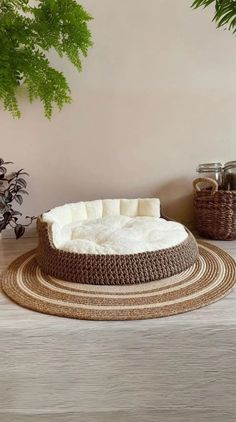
176	369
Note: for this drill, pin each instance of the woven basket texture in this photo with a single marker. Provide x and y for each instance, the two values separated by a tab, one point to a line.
113	269
215	213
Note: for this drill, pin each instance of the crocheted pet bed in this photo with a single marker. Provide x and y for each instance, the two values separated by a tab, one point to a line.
113	241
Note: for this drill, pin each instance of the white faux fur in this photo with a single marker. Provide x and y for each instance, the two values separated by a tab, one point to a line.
69	213
113	226
122	235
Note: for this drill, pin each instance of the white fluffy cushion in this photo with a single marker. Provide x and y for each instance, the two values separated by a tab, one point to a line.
60	215
113	226
94	209
78	211
68	213
111	207
150	207
123	235
129	207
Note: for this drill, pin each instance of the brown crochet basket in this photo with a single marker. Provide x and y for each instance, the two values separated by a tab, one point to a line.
113	269
215	210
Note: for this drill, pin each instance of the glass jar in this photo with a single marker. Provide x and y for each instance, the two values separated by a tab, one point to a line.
229	181
212	170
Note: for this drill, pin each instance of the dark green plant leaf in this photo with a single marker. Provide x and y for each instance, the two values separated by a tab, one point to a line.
10	190
3	225
7	216
16	213
19	230
24	172
8	196
22	182
4	207
225	12
19	199
24	191
202	3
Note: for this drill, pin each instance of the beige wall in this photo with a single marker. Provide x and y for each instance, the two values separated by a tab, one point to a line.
156	97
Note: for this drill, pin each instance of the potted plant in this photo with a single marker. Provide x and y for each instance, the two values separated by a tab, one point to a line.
12	188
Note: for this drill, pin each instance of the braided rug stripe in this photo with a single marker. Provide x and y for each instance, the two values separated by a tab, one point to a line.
211	278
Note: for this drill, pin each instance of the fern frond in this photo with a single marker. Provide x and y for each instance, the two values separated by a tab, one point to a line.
27	33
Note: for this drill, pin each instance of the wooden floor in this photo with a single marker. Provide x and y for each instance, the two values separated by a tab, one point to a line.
176	369
11	248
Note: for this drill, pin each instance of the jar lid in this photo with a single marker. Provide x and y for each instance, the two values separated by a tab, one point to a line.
230	165
209	167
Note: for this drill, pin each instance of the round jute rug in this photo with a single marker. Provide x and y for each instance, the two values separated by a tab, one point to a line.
210	279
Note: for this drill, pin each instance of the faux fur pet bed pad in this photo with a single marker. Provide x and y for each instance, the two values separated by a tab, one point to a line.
118	241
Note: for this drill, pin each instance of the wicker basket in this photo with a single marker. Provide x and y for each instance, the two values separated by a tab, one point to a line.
215	210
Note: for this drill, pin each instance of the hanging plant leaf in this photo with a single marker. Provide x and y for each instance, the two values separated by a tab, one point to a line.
3	225
28	31
7	216
19	230
225	12
22	182
24	173
3	204
8	196
19	199
16	213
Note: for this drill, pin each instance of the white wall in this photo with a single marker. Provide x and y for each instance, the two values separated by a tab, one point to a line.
157	95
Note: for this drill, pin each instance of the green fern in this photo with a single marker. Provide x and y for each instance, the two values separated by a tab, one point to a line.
225	12
28	30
